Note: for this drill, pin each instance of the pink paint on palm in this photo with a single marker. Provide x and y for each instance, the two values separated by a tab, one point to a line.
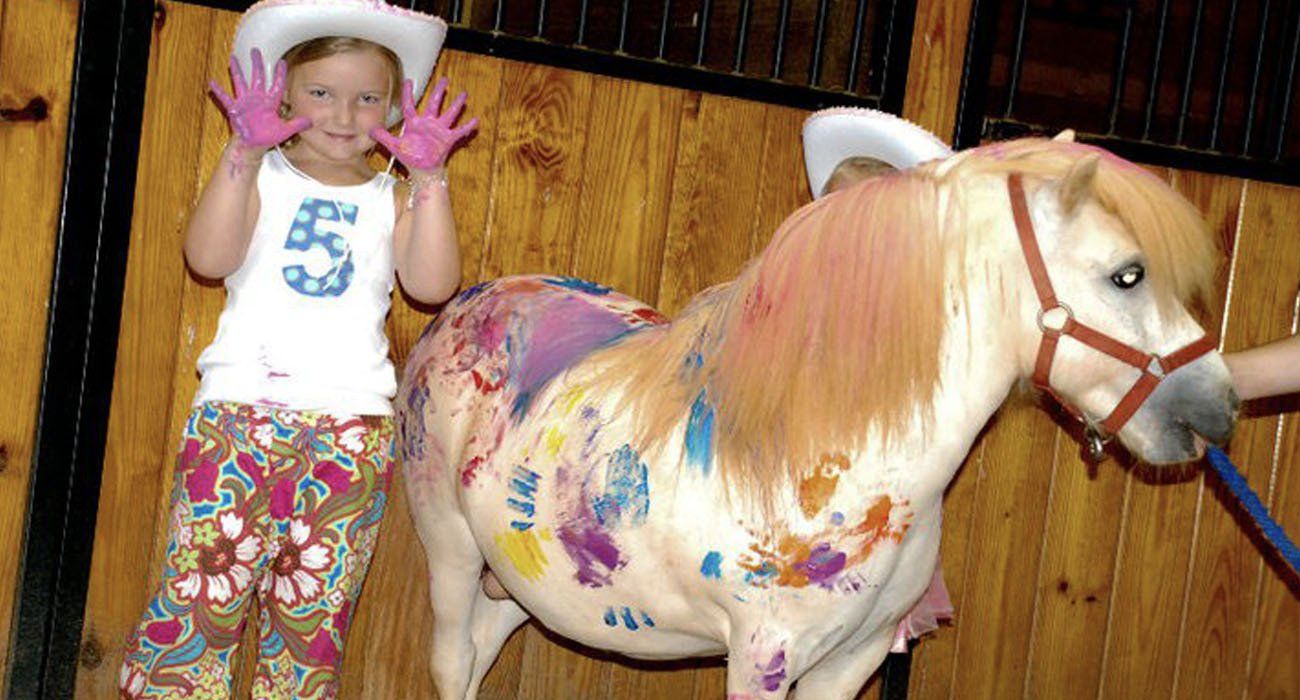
430	138
254	111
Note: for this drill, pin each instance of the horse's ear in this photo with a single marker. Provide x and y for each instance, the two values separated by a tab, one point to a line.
1077	184
1066	136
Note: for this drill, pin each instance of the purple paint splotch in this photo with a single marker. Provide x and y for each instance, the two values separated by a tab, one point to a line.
772	674
592	551
823	565
562	329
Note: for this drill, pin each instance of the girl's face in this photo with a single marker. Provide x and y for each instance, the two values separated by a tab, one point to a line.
345	96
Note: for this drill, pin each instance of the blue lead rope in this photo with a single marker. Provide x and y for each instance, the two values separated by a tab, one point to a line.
1226	471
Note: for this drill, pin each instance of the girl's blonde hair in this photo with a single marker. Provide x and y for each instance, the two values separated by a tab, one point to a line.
853	170
326	46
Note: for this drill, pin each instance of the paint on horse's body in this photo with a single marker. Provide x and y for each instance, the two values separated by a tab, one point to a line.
526	448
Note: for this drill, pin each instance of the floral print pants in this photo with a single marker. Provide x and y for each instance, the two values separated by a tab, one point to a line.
282	504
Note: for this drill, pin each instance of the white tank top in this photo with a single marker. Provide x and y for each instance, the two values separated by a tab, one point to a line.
303	326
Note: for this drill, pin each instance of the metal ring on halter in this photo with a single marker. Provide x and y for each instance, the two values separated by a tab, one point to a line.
1069	316
1095	442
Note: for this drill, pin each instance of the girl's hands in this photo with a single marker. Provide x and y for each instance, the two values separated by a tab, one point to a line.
429	138
254	111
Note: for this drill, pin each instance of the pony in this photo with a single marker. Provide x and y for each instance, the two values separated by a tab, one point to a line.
762	477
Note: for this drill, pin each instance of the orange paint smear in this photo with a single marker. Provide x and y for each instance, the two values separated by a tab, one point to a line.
816	489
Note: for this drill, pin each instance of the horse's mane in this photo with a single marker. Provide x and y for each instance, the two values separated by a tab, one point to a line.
837	326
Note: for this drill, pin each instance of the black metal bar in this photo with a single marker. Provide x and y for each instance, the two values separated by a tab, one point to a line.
1153	87
1017	56
782	28
1179	157
819	38
541	19
624	11
742	36
706	8
1254	79
499	19
1283	102
1223	77
973	97
1121	67
895	675
898	53
1185	101
103	139
665	22
651	71
855	45
582	23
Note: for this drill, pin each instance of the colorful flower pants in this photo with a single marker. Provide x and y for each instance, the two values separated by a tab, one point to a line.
284	504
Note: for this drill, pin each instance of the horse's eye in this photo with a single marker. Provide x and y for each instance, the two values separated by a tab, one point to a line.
1129	277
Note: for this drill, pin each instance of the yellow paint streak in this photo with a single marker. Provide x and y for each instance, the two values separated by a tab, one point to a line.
554	441
524	550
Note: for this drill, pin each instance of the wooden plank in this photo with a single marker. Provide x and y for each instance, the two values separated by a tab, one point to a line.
715	190
1160	516
627	185
537	170
1001	567
138	456
35	64
1273	669
935	67
1224	572
1075	575
784	185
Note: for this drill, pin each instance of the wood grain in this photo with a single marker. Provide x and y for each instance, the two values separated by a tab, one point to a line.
1225	563
35	65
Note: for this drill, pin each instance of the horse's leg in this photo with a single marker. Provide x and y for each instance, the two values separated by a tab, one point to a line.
454	564
493	622
841	674
756	665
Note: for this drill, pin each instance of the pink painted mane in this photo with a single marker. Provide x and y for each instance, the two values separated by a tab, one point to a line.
838	325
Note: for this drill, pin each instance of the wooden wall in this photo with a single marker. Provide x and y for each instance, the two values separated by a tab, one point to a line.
34	65
1069	581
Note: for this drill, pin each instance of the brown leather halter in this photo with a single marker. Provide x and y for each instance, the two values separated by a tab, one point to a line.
1154	368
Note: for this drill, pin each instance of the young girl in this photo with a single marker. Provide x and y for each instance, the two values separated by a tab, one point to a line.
286	458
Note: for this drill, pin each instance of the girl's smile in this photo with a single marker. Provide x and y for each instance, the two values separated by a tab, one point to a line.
345	96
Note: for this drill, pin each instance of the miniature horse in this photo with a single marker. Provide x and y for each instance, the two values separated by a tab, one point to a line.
762	477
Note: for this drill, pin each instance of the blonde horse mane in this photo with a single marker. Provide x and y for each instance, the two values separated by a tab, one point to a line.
838	325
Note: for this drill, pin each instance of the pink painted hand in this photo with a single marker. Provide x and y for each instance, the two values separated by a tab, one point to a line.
254	111
429	138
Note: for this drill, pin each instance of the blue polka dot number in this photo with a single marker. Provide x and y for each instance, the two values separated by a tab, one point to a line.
304	236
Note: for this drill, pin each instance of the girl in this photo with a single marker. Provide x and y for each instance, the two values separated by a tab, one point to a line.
286	459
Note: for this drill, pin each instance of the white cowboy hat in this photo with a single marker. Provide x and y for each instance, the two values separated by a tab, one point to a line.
831	135
275	26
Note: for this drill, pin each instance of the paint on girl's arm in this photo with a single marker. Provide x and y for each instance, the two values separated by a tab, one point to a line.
524	484
712	565
699	435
